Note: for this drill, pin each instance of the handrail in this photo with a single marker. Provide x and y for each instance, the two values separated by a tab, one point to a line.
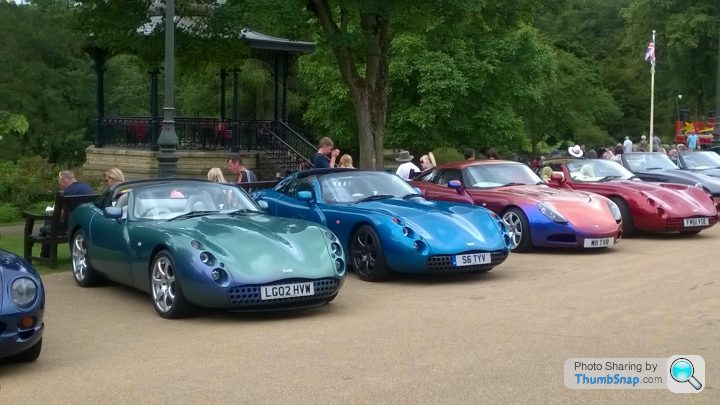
297	135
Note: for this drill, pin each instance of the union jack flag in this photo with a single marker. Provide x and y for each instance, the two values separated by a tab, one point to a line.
650	52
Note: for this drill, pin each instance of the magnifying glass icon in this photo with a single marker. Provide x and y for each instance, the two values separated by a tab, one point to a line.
682	371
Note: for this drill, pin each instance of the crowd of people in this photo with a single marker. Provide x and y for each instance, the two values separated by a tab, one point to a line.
328	156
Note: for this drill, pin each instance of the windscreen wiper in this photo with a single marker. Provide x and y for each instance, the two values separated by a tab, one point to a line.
411	195
608	178
243	211
375	197
193	214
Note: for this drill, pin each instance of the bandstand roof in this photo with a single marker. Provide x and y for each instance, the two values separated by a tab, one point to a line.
253	39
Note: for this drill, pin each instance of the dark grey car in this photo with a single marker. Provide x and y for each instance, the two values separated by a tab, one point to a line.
657	167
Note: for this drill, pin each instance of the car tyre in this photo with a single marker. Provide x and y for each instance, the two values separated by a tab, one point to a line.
83	272
518	230
167	295
627	219
28	355
367	255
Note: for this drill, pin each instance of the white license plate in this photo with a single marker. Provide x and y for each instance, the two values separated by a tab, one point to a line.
273	292
690	222
599	242
471	259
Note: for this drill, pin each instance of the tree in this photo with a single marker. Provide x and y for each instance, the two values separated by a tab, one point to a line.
451	73
687	51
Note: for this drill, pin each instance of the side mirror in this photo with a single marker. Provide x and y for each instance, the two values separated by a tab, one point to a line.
304	196
113	212
558	177
263	205
455	185
417	190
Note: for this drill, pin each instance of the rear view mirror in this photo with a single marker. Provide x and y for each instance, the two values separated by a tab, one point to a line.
557	177
304	196
456	185
113	212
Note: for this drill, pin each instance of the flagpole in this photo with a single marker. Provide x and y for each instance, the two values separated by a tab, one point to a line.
652	98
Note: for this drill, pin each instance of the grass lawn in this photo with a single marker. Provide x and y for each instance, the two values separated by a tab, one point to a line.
14	243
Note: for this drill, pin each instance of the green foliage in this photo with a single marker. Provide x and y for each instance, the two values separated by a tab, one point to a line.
9	213
444	155
30	180
46	78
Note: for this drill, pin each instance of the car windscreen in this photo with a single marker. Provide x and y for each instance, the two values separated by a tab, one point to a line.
591	170
168	200
497	175
648	161
353	186
701	160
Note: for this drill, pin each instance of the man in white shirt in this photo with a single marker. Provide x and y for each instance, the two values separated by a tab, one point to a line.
407	166
627	145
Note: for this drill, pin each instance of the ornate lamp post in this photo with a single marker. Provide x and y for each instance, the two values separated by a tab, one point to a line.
167	141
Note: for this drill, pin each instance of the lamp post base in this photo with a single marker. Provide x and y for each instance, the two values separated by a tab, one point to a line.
167	162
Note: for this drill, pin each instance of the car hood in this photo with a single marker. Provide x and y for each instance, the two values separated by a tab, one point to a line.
259	248
710	182
536	194
578	207
715	172
680	199
431	218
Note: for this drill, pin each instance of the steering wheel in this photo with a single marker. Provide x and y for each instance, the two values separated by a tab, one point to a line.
157	211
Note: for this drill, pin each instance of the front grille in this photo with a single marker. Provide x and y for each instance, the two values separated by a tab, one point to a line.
677	224
249	295
563	238
443	263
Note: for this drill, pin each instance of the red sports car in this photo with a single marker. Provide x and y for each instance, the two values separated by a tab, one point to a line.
649	207
536	214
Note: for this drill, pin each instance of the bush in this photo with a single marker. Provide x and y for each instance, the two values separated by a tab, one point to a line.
29	180
9	213
444	155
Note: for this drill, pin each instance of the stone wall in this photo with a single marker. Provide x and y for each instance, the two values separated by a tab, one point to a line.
138	163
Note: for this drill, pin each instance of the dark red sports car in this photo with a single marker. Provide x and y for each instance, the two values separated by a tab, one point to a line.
650	207
536	214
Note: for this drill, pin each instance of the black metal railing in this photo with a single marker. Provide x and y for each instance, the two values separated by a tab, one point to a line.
192	133
283	145
286	148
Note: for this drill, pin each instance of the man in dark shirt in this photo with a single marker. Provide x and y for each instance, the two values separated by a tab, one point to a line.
326	155
71	186
236	167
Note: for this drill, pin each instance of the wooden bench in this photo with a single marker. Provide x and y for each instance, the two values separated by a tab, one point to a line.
53	225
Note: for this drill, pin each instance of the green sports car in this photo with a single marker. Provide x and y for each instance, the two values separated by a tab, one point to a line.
192	243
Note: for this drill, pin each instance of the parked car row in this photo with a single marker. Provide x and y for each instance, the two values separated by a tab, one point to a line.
194	244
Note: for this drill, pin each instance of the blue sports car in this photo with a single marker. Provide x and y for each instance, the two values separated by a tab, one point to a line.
384	224
22	306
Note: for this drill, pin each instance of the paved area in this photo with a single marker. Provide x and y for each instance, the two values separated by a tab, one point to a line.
500	337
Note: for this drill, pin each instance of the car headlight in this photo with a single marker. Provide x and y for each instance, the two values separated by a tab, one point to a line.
336	249
23	292
615	210
551	214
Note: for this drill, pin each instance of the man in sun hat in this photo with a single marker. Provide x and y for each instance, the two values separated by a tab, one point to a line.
575	151
406	164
